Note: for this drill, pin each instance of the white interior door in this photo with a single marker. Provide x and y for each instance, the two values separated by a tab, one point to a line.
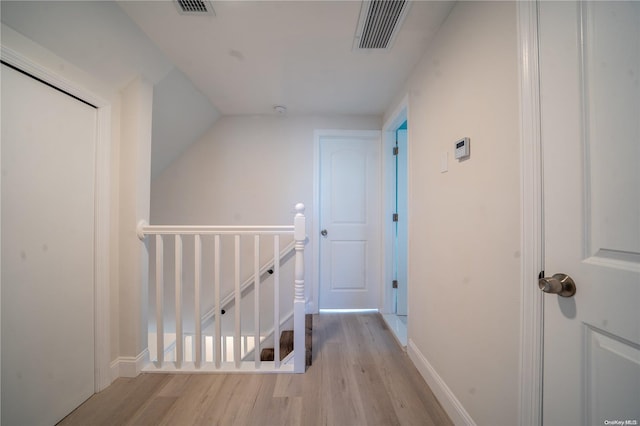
48	178
590	113
350	221
402	228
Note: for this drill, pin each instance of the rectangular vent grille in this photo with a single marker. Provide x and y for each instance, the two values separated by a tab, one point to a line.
194	7
380	21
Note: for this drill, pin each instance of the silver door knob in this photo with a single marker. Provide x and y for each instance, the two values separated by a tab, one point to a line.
560	284
324	232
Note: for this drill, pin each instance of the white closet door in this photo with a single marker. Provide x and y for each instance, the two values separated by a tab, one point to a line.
48	179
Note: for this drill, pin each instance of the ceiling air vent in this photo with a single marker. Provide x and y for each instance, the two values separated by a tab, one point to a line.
194	7
379	23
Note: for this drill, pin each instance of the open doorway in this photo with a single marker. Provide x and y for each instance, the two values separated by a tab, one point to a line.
395	310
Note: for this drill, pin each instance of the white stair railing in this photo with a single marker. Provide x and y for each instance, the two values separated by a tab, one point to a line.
297	230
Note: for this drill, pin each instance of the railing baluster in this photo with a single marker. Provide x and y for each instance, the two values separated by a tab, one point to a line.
179	339
196	290
238	300
217	338
276	300
224	349
159	300
256	304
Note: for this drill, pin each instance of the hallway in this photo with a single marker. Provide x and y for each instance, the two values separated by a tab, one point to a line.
359	376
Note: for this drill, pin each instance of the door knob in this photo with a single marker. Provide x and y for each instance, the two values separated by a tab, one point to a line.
324	232
560	284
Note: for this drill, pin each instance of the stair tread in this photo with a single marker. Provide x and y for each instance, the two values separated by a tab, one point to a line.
286	343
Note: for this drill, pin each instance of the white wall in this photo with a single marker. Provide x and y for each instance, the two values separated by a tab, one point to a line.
135	178
464	226
246	170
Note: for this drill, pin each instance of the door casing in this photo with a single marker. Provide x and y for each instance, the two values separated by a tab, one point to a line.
531	235
399	116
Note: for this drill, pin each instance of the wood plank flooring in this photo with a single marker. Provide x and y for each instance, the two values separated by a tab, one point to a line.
359	376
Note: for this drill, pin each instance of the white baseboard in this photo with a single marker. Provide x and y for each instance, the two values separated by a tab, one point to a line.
445	396
114	368
129	366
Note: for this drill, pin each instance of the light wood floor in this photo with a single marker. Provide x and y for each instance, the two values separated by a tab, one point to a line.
359	376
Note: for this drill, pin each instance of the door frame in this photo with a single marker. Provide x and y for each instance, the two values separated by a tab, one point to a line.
313	304
102	205
532	218
395	120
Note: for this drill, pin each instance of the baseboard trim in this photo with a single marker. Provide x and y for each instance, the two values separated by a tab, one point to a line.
445	396
129	366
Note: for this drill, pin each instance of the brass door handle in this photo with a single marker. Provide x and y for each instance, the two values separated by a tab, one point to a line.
560	284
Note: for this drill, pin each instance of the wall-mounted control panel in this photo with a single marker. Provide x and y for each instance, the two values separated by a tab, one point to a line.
461	149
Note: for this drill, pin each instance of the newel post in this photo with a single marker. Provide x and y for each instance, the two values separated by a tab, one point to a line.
299	235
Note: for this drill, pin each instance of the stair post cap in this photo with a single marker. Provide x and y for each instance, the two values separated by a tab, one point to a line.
300	208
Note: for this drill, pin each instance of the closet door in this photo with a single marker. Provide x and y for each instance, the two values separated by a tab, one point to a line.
48	179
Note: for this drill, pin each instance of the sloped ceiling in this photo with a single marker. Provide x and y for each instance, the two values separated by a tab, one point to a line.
98	37
181	115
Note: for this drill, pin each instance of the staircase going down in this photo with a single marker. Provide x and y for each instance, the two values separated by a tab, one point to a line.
194	348
286	343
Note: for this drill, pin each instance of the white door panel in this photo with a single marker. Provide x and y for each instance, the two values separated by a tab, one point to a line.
349	212
590	113
48	178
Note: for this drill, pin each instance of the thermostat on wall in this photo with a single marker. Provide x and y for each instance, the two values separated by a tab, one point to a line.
462	148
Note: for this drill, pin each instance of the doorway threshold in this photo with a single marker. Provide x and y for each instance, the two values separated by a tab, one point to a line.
398	326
